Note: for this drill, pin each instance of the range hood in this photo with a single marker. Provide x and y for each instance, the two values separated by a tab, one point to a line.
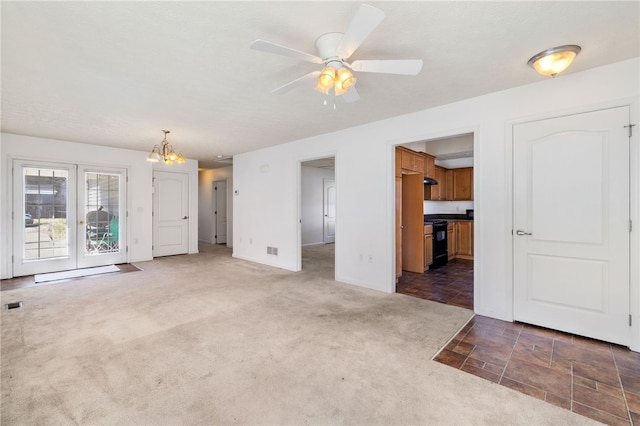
430	181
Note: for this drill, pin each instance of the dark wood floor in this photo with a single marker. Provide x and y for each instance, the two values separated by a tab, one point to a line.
592	378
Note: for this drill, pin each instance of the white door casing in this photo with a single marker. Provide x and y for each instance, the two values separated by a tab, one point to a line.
220	211
329	208
571	224
170	213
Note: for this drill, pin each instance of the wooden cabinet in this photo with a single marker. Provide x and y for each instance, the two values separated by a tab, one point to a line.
438	192
429	165
449	184
464	239
451	240
462	184
412	223
411	161
398	226
428	246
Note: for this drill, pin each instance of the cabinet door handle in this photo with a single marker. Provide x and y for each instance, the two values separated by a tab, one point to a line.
519	232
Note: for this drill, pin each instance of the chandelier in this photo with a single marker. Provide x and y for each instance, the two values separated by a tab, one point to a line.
165	152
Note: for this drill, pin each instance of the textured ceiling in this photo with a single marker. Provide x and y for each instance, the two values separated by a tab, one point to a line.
116	73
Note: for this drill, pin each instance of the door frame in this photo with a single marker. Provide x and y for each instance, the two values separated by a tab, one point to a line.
634	202
298	165
214	205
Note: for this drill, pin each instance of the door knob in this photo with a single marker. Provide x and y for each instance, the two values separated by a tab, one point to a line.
81	222
186	217
519	232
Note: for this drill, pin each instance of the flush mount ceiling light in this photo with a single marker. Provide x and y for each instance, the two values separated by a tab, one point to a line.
552	62
165	152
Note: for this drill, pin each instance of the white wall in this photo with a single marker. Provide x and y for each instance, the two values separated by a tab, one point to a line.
206	207
312	203
266	206
139	194
447	207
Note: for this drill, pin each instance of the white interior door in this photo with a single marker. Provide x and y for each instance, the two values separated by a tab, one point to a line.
220	211
170	213
329	201
571	224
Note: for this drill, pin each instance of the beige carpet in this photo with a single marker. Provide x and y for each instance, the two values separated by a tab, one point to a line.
208	339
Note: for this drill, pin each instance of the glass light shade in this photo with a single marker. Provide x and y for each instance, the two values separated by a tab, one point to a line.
344	81
552	62
154	156
180	159
326	80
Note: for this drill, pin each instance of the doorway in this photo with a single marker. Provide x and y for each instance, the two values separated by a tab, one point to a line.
67	216
318	213
430	211
219	198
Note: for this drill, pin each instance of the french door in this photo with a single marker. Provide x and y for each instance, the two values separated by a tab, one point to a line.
67	216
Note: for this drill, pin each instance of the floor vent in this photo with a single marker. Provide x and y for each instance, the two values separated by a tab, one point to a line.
13	305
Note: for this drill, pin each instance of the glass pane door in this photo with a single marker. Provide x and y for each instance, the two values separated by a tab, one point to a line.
100	235
44	195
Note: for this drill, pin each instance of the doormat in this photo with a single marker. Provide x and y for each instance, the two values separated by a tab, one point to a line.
63	275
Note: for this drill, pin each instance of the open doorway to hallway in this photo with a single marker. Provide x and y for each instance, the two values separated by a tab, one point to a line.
435	219
317	207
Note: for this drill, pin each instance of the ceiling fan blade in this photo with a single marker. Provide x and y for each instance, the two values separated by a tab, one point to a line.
391	66
267	46
298	81
366	20
351	96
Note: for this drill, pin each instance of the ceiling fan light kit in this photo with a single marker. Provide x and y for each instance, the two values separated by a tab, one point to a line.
334	49
552	62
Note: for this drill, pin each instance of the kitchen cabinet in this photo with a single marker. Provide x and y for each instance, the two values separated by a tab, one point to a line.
412	223
464	239
448	193
428	246
451	240
437	192
429	165
398	226
411	161
462	184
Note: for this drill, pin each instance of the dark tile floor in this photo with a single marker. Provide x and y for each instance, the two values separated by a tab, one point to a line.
451	284
592	378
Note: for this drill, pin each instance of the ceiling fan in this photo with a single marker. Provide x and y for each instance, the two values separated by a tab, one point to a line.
336	78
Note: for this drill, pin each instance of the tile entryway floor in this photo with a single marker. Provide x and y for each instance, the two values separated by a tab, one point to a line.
592	378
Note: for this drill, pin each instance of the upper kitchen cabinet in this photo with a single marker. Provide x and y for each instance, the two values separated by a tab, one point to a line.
462	184
430	166
437	192
411	161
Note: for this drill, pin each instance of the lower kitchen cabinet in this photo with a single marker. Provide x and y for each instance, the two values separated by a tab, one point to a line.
464	239
451	240
428	246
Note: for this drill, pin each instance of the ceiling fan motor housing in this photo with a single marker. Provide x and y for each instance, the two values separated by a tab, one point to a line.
327	44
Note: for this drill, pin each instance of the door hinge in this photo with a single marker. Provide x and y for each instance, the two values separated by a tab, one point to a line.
126	213
630	320
127	249
630	225
630	127
12	259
